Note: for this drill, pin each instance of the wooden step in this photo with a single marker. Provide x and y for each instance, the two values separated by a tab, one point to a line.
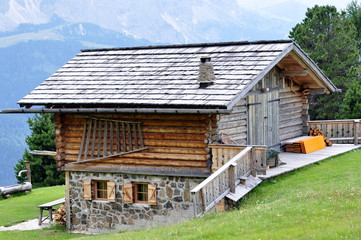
242	189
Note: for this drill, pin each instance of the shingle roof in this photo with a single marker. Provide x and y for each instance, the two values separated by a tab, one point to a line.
159	76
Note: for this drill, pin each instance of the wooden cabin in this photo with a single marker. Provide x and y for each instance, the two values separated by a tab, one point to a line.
138	128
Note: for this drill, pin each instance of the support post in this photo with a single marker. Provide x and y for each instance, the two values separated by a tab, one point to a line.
28	171
356	124
67	200
253	162
232	178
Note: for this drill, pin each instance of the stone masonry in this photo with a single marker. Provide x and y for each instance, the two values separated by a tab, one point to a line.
173	203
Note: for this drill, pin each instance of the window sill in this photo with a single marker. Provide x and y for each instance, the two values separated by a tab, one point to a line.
140	205
99	201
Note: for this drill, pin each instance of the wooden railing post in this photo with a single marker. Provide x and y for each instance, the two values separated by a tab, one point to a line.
28	171
356	130
253	162
232	178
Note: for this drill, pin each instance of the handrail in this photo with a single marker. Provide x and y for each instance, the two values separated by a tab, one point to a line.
213	189
341	131
222	169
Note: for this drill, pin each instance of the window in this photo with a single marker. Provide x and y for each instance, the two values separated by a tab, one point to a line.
140	193
99	190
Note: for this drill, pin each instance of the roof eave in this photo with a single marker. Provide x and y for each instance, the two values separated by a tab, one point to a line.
248	88
317	71
117	110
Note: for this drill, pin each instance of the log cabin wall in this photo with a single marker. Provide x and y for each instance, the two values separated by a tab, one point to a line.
172	140
292	110
234	125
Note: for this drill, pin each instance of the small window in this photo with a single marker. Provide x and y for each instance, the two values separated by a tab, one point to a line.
99	190
141	193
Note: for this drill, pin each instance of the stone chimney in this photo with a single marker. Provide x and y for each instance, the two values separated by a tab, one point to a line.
206	74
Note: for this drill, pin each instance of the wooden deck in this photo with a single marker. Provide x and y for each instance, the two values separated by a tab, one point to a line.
298	160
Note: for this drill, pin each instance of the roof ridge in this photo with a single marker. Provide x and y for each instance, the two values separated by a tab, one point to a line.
192	45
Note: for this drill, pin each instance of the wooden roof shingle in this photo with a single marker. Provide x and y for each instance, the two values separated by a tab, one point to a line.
162	76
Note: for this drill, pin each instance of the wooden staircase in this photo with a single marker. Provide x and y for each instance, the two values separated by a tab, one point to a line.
244	188
233	180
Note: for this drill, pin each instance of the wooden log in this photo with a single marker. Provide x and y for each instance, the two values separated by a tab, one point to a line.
140	116
7	190
144	162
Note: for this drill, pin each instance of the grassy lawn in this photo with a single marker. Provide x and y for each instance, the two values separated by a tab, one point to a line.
24	207
322	201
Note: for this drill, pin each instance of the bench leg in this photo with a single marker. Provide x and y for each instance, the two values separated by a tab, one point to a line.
41	216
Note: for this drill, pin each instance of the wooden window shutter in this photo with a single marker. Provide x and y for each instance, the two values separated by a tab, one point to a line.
87	191
111	191
127	193
152	194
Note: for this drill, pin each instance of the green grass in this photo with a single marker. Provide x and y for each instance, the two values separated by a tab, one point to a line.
24	207
322	201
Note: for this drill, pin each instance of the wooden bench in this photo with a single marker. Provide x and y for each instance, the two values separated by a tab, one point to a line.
49	206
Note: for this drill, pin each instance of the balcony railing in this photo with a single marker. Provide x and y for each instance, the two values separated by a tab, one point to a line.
340	131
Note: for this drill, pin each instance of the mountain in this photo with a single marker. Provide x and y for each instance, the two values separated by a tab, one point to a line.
28	55
162	20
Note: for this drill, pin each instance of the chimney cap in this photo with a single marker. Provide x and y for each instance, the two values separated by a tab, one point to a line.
205	59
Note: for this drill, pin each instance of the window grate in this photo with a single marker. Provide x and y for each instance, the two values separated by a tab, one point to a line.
104	138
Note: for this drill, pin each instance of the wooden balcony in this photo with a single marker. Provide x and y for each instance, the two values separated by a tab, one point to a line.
222	153
340	131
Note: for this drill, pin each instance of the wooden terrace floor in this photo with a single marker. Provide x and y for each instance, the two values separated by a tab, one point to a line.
298	160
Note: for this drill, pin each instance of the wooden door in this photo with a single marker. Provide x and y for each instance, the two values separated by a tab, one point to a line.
263	119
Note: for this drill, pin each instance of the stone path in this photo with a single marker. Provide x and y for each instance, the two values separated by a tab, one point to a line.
28	225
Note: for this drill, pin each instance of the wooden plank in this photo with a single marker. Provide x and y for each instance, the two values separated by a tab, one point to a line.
93	142
67	200
88	138
99	139
123	138
82	140
118	137
111	133
129	133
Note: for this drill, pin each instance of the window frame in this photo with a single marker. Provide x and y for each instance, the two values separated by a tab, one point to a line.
90	190
104	190
130	193
136	192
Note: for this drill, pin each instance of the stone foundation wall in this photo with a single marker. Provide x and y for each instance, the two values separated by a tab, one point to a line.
173	203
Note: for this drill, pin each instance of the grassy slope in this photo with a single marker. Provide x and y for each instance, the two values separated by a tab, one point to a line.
23	207
322	201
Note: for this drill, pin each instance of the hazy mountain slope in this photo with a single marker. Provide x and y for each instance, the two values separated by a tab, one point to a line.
26	62
160	21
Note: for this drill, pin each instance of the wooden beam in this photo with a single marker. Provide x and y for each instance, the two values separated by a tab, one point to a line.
67	200
286	73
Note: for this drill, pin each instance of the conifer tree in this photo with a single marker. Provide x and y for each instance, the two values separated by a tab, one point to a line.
43	168
329	38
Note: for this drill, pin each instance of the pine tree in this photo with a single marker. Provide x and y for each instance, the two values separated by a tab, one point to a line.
329	38
351	106
43	168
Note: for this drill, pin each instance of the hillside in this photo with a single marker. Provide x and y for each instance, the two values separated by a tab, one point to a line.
321	201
